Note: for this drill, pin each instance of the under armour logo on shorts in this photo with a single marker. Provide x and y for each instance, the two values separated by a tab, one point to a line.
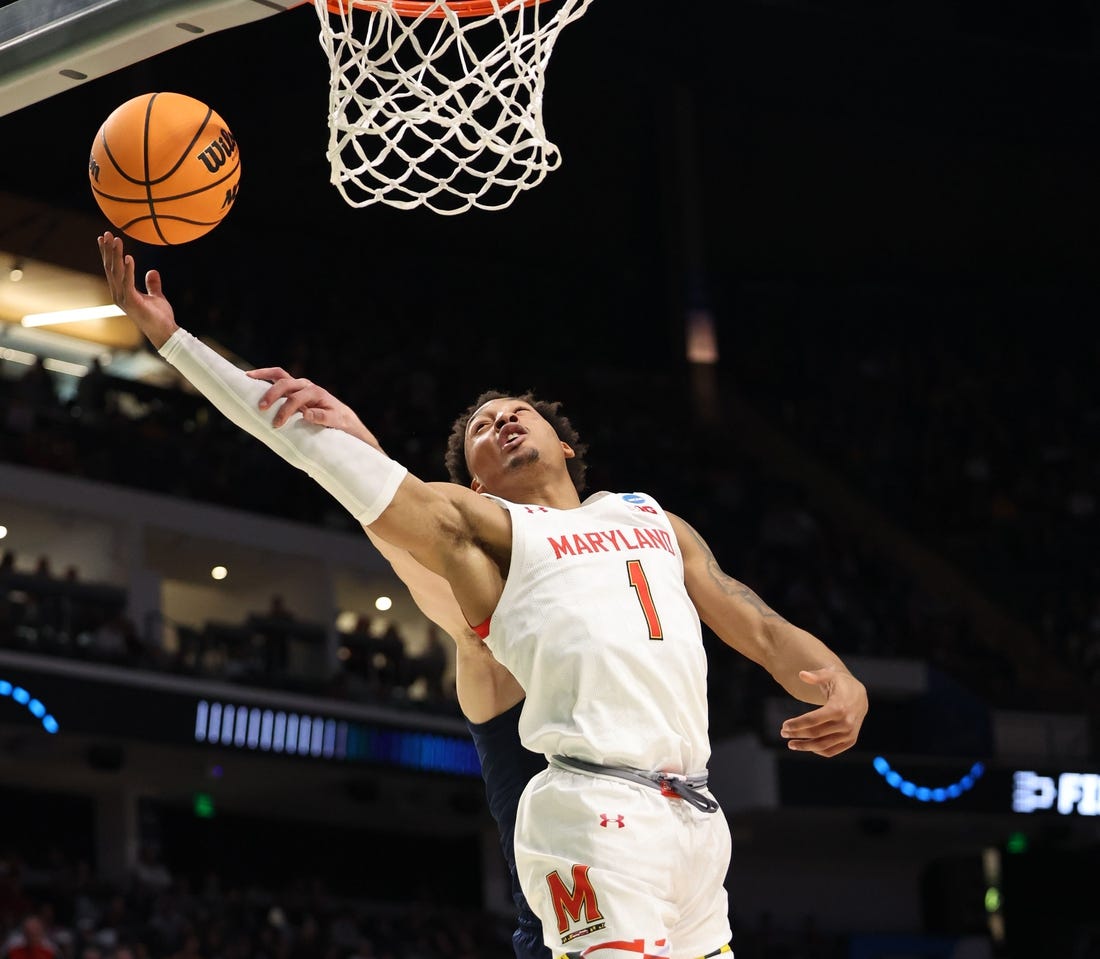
617	820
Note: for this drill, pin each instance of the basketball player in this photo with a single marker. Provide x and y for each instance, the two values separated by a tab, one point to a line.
594	608
489	696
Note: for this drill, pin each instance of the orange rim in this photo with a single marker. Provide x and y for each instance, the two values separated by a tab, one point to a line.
414	8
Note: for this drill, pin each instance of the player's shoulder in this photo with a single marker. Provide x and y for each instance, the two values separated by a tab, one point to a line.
464	497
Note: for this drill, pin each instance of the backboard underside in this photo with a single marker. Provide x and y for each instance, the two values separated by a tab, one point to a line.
50	46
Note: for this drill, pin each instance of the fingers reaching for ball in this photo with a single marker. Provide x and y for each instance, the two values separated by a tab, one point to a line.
151	312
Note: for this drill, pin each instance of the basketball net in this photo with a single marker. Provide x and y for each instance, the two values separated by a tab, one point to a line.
439	103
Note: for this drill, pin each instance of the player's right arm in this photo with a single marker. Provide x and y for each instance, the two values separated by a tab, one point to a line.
451	531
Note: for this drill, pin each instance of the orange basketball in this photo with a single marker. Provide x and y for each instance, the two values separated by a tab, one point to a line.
164	168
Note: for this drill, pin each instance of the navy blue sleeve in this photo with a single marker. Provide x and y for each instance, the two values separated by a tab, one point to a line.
507	767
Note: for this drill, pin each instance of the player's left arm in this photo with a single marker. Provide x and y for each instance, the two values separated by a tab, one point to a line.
803	665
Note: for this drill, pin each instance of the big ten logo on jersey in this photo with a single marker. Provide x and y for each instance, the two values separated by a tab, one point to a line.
218	152
536	509
569	904
638	504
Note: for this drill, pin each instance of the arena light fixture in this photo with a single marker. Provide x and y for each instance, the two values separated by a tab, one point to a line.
21	357
63	366
72	316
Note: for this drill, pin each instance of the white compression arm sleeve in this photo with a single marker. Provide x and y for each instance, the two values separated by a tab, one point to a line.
362	479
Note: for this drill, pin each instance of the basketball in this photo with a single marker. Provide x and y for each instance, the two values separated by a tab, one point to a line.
164	168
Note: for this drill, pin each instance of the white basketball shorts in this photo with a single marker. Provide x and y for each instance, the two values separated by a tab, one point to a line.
603	860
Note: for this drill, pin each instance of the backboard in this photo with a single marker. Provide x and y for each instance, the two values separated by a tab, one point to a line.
49	46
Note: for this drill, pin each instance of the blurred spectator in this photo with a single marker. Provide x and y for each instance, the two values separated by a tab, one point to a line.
189	948
151	876
116	640
430	665
307	943
167	926
36	386
389	660
31	941
92	392
278	609
33	400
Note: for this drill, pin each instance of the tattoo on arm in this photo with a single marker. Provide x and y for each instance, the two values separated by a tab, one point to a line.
729	585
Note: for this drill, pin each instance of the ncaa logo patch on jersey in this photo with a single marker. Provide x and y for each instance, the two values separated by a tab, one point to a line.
638	503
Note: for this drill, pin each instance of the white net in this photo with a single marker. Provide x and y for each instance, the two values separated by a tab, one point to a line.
430	108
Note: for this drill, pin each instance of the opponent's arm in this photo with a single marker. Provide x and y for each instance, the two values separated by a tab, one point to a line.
485	687
803	665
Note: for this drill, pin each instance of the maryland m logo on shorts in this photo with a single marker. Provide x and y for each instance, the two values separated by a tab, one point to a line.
569	904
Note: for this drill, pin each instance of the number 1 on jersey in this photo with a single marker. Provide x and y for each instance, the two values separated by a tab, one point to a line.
641	586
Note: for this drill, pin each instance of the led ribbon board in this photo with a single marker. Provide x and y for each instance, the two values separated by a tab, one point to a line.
34	706
327	737
935	794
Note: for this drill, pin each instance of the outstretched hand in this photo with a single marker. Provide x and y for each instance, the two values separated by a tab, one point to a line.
150	311
834	727
316	404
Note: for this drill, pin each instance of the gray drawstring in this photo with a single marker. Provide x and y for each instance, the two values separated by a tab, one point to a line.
673	787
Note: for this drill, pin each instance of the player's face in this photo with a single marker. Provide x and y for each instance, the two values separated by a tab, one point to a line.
507	436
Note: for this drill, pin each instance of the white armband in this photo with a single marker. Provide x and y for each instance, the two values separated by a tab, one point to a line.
362	479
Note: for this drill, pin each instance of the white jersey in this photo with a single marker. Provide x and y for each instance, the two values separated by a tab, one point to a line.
596	625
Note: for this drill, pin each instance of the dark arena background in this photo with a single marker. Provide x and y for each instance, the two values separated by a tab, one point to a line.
820	276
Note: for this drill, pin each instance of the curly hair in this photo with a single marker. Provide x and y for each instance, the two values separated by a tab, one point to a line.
456	443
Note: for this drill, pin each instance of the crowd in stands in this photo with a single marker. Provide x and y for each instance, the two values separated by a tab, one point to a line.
64	910
997	483
982	439
42	613
61	909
